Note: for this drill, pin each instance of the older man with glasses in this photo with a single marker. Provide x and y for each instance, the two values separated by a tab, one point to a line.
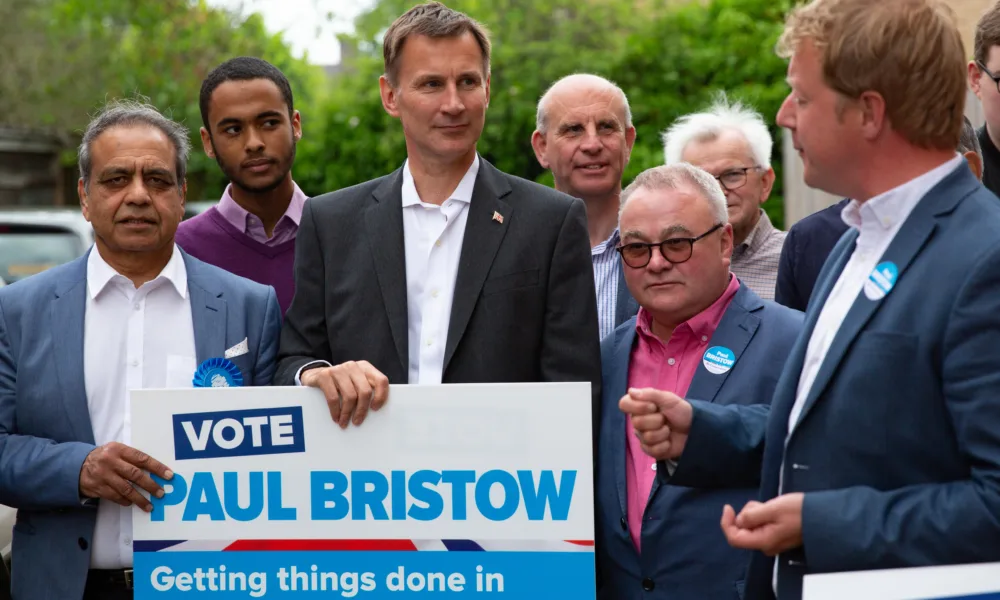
733	144
699	333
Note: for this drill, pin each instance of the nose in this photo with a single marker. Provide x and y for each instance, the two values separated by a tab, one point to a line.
452	104
786	114
255	143
591	142
658	264
137	192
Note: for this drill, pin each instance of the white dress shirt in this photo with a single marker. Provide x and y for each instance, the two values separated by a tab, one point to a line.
878	221
433	238
133	339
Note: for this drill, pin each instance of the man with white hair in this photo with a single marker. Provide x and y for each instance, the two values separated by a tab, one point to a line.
699	333
584	134
732	143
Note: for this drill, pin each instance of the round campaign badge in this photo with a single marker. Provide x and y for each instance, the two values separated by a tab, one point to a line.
718	360
881	280
218	372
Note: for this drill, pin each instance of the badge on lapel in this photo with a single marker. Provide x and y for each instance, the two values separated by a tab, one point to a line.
218	372
718	360
881	280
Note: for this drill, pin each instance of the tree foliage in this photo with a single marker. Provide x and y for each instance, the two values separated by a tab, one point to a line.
63	58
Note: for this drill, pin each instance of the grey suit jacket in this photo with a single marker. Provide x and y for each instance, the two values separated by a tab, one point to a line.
524	308
45	429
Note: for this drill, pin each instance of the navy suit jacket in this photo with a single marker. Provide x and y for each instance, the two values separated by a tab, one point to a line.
625	305
45	429
684	554
897	448
807	246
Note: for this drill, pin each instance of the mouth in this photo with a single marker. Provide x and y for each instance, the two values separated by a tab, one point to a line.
136	223
593	167
453	127
258	165
663	285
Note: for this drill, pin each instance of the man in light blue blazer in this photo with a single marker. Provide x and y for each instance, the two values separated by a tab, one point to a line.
134	312
882	445
699	331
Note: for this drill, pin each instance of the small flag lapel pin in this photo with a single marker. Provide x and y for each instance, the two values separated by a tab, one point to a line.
497	217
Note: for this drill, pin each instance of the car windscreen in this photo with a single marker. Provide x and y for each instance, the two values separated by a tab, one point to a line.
29	249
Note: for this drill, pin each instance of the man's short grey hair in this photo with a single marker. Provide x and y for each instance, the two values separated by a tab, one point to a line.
969	141
133	113
541	112
680	176
722	116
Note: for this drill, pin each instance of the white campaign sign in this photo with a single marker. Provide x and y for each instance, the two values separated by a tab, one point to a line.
495	477
979	581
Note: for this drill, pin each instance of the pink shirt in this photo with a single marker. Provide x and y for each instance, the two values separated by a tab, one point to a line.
669	367
241	219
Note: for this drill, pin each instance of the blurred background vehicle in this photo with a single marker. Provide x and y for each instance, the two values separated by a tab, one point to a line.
33	240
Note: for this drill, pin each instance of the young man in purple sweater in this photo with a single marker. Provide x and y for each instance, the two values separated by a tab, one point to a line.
250	129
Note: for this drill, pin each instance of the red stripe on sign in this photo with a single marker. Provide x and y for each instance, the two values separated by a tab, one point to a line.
320	545
581	542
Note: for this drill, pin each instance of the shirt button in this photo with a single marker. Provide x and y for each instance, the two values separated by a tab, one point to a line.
430	342
127	542
671	361
438	243
704	338
135	362
137	306
434	294
653	466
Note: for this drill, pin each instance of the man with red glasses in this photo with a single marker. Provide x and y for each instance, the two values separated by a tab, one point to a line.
699	333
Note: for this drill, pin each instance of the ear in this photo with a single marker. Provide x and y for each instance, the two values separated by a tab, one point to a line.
975	164
488	91
766	184
873	115
389	96
206	143
296	126
84	199
975	77
184	192
629	143
540	144
727	243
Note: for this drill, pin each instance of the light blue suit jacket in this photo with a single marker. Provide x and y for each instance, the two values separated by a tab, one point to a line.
45	429
684	553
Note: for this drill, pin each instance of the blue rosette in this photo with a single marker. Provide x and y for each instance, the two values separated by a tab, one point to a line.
218	372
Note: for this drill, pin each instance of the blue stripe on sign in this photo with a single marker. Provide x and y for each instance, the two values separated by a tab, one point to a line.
462	545
984	596
153	545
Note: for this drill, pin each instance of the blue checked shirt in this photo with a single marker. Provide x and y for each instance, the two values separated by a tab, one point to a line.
607	265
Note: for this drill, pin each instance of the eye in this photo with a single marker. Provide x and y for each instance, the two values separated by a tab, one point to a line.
116	180
271	123
232	130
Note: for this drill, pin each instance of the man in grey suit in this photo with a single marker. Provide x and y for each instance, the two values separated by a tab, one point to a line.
134	312
446	270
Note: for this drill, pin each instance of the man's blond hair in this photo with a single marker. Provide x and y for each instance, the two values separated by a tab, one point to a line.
908	51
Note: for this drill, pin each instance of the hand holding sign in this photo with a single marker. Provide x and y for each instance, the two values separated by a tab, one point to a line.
351	387
661	421
111	471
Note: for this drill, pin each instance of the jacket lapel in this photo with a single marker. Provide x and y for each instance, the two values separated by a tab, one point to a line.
906	245
616	386
208	313
68	312
384	221
734	332
483	234
625	305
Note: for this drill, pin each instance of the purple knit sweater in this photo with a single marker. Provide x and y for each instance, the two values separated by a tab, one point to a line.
209	237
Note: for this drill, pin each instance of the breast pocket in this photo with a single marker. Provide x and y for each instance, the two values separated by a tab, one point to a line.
510	281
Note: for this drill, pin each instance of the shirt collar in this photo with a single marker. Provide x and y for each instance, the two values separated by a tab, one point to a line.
100	274
462	193
237	215
702	324
889	209
606	245
759	233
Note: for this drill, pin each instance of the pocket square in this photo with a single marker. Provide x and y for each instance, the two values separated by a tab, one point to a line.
238	350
